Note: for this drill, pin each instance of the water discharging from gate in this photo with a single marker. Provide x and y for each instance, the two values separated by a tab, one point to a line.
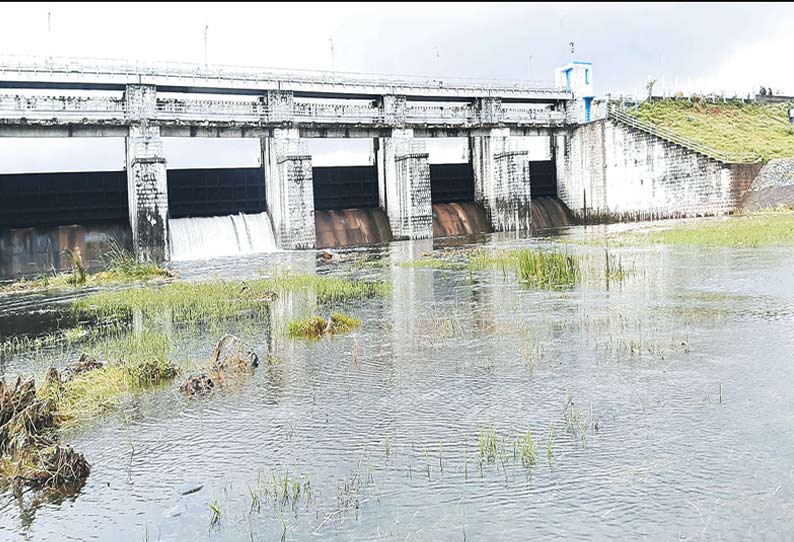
201	238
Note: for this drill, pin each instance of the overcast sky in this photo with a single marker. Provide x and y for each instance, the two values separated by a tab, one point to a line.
689	47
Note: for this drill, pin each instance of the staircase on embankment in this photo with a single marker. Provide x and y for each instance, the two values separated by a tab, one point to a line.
690	144
620	168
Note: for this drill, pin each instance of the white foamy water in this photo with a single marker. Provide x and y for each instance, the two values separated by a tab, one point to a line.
202	238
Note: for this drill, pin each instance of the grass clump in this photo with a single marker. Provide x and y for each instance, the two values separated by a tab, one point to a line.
534	267
316	327
328	289
142	362
528	449
187	301
488	445
150	371
120	268
733	127
102	390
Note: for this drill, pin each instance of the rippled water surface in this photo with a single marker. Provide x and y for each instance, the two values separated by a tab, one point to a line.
660	407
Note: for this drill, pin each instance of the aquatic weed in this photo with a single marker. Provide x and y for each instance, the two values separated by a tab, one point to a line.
535	267
316	327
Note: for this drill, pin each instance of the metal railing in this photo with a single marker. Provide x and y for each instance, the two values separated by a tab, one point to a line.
456	114
97	67
532	116
664	133
332	113
228	110
70	108
47	107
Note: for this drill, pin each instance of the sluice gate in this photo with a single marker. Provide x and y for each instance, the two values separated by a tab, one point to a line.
548	211
41	214
346	207
454	210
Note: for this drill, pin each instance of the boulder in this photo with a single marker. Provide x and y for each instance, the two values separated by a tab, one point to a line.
772	188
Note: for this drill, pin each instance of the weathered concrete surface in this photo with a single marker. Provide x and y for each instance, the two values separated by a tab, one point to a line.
773	187
90	73
30	251
289	189
404	185
233	116
410	211
147	190
607	171
501	181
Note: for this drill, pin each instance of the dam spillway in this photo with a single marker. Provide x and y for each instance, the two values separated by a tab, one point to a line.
202	238
145	105
607	161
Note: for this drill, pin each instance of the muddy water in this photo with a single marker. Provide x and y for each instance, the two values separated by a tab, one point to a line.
666	398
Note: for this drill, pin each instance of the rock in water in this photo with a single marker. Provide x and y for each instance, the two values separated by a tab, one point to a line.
82	365
197	384
231	354
189	488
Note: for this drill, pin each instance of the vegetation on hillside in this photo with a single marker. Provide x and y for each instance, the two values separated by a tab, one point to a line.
734	126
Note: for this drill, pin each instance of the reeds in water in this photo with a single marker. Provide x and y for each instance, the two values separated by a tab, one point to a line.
535	267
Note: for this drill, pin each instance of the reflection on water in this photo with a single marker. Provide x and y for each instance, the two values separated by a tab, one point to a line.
659	407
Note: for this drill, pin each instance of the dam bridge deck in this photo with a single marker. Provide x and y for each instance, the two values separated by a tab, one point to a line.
251	102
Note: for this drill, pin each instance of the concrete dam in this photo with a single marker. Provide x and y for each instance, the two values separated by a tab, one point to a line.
596	162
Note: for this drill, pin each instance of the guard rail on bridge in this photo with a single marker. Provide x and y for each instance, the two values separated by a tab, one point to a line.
16	70
68	109
668	135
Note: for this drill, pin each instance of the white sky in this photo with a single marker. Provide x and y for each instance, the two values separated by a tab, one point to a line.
688	47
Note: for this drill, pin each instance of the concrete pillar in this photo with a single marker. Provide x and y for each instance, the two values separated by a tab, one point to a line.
289	189
147	192
490	110
280	106
501	180
147	185
395	109
404	184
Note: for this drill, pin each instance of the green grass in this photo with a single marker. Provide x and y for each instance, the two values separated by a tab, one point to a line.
328	289
488	445
139	362
102	390
120	268
545	269
316	327
741	231
429	262
219	299
773	229
733	127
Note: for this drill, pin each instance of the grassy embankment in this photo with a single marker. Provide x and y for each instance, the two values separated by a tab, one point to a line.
767	229
733	127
